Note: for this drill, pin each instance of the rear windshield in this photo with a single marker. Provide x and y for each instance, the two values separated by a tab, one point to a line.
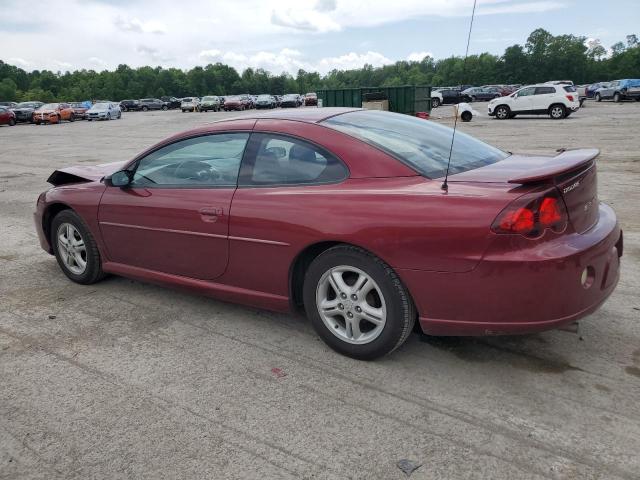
569	88
422	144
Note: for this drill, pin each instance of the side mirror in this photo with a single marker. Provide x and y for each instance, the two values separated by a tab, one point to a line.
120	179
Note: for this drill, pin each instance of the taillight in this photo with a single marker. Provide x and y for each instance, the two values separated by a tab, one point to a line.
570	98
532	214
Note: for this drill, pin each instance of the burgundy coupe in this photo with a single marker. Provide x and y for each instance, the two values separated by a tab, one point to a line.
341	213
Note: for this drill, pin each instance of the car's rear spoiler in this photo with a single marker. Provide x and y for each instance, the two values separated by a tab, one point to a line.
565	162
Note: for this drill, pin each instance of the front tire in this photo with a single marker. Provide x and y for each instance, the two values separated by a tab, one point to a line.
144	109
557	112
165	108
503	112
12	122
598	97
435	102
75	248
357	304
617	98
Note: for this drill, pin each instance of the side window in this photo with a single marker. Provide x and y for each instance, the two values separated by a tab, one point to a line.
545	90
282	160
525	92
206	161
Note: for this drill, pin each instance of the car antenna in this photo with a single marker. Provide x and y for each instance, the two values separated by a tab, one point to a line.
445	184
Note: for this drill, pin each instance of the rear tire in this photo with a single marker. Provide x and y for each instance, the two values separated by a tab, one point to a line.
83	247
598	97
466	116
617	98
165	108
435	102
557	111
145	108
366	315
12	122
502	112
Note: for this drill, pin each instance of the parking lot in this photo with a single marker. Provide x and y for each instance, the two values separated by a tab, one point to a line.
128	380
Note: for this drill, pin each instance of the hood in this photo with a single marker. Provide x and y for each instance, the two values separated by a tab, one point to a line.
82	173
522	169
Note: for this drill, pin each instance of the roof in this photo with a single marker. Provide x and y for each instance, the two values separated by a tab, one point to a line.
311	115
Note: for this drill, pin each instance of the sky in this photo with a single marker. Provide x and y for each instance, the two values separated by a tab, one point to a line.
285	35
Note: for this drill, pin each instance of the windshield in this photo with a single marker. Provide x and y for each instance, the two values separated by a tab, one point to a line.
187	100
100	106
49	106
264	97
27	105
422	144
208	99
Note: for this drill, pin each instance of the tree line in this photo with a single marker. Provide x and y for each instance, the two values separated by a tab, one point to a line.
543	57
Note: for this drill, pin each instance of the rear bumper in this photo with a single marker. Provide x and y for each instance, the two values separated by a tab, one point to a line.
523	290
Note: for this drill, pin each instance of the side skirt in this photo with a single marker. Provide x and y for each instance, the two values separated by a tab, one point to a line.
227	293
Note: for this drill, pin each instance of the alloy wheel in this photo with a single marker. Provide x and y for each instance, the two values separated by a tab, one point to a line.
72	248
351	304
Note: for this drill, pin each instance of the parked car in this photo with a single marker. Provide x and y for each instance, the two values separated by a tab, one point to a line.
24	111
593	88
8	104
79	110
452	96
265	101
278	99
210	102
53	113
436	99
234	102
130	105
7	117
190	104
248	101
171	102
557	101
482	94
290	100
152	104
311	99
619	90
104	111
348	224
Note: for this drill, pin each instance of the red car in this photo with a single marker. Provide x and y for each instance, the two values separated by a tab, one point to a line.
7	117
342	213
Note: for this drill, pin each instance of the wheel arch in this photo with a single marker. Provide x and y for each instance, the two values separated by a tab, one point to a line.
303	259
49	214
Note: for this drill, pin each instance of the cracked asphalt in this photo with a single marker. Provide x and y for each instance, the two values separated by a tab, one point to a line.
128	380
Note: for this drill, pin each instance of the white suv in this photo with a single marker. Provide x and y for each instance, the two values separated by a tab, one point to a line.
557	101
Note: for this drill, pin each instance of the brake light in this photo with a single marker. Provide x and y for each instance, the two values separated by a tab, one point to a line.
532	214
570	98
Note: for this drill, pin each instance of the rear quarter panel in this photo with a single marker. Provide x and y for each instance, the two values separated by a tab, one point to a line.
408	222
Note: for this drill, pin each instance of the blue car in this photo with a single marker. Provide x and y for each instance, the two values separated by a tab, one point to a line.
619	90
591	89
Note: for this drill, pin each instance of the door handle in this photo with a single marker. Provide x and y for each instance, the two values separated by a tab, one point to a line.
210	214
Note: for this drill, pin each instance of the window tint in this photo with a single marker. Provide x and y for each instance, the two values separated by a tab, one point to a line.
525	92
281	160
422	145
546	90
211	160
570	88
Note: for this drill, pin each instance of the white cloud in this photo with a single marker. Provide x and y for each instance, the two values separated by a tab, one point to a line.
20	62
306	20
291	60
137	26
418	56
277	35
